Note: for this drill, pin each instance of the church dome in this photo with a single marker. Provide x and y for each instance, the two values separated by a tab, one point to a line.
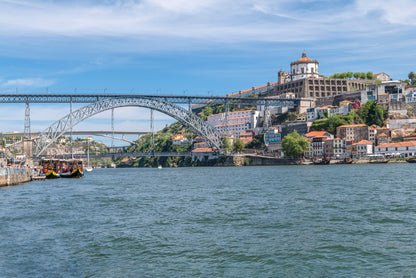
304	58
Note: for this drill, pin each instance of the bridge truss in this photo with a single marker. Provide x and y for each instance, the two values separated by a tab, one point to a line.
58	128
190	100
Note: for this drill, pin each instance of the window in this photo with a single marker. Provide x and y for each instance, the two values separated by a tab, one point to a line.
303	70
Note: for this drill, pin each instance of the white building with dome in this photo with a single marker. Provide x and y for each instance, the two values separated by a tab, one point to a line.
303	68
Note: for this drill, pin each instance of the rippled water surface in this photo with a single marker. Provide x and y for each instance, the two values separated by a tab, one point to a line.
284	221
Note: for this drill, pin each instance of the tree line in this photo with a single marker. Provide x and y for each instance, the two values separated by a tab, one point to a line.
350	75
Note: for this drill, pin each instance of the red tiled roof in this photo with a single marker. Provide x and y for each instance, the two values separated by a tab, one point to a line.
202	150
399	144
317	134
304	59
353	125
364	142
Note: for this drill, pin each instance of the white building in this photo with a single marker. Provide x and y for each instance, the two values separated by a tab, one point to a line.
382	76
404	149
237	122
362	148
304	68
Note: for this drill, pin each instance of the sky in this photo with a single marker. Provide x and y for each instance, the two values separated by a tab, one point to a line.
188	47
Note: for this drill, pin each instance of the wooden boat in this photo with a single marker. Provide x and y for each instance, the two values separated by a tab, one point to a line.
321	161
77	173
51	174
72	169
61	168
411	160
346	160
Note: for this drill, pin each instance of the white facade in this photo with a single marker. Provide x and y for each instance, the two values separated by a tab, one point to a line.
238	121
363	148
311	114
382	76
404	149
304	68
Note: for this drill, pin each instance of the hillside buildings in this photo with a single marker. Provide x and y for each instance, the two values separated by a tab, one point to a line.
236	123
305	82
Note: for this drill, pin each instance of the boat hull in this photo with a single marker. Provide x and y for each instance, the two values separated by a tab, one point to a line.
50	175
77	173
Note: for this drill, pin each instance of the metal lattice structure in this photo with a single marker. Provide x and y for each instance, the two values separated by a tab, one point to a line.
197	101
58	128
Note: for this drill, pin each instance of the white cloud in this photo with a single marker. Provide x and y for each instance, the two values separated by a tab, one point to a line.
396	12
219	20
27	82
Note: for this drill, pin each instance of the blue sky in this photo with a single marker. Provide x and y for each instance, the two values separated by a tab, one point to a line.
196	47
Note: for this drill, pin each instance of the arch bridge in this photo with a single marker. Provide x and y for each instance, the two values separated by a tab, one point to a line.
187	118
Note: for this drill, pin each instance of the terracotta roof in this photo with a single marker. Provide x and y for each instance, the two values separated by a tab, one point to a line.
382	135
232	124
304	59
202	150
177	137
244	117
317	134
255	88
364	142
399	144
353	125
201	143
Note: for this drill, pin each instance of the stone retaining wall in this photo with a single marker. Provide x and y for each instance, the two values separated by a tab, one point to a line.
12	176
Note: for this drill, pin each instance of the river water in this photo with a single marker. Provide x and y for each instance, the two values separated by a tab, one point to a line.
283	221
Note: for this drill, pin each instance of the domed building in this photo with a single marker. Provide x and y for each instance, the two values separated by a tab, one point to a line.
304	81
304	68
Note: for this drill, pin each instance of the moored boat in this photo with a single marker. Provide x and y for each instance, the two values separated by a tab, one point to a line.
51	174
77	173
61	168
322	161
411	160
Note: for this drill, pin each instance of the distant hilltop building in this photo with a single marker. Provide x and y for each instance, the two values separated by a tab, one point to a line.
304	68
382	76
305	81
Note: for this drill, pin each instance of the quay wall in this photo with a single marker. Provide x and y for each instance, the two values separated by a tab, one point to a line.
12	176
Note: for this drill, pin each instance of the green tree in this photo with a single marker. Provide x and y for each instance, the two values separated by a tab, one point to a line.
226	143
350	74
257	142
343	75
357	75
335	121
363	75
238	145
370	75
207	111
372	113
412	77
294	145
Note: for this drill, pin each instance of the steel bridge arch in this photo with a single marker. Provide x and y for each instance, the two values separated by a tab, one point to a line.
199	126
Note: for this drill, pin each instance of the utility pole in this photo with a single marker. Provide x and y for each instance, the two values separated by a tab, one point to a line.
226	118
70	123
27	121
112	129
152	130
27	143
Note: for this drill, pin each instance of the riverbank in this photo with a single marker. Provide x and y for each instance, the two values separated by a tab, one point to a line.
13	176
